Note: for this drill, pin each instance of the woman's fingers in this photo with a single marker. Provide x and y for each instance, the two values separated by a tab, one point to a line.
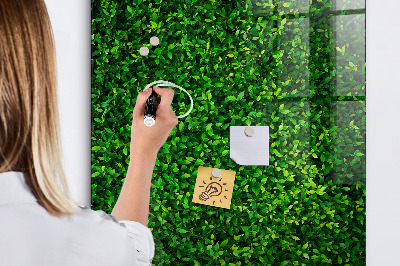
141	102
167	95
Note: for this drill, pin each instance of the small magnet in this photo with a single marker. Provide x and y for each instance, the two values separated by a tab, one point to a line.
249	131
154	41
144	51
216	172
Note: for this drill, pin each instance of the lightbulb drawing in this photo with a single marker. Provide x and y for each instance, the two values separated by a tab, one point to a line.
213	189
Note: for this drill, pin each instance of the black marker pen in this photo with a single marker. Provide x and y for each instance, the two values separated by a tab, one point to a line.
150	109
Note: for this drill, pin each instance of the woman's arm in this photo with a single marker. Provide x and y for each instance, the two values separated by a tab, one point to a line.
134	199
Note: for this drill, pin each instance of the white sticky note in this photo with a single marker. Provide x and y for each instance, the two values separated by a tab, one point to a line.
245	150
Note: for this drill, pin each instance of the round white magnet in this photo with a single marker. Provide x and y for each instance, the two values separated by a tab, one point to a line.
249	131
154	41
144	51
216	173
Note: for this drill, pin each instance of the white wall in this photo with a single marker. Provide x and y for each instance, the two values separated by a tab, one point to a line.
383	132
71	25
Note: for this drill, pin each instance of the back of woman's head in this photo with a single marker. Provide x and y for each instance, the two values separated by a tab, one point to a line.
29	117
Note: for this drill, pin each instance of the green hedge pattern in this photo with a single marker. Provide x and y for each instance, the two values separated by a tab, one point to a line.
291	65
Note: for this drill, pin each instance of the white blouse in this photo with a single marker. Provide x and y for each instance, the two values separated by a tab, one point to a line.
31	236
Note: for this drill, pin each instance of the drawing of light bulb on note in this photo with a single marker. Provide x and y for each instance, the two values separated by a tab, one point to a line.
214	187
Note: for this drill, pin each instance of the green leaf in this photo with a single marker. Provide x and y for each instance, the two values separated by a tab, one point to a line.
153	24
206	78
285	112
130	10
96	148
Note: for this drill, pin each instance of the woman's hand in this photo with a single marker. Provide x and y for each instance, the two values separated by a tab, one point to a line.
151	139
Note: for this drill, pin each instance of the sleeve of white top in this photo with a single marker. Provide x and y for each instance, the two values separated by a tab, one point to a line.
140	234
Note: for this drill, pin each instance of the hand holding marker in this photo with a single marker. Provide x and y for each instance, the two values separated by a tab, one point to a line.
151	103
151	139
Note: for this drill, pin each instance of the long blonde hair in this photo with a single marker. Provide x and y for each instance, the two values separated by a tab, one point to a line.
29	116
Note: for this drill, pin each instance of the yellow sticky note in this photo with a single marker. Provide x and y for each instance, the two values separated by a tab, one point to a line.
213	191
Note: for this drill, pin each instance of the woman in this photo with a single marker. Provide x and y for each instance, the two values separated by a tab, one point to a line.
40	222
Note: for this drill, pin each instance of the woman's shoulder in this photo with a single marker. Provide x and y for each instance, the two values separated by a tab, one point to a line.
99	215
